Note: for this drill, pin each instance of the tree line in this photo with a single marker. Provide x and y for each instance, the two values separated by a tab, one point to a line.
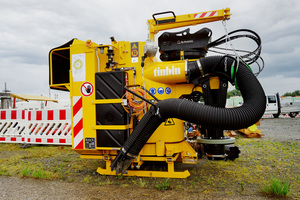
238	93
295	93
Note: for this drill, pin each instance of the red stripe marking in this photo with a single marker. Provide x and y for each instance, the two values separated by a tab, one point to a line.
80	145
29	116
50	115
39	115
77	106
2	138
3	114
38	140
13	139
62	114
49	140
23	139
13	114
77	127
62	141
213	13
203	14
28	139
23	114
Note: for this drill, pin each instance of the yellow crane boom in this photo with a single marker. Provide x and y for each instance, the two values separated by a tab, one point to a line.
159	24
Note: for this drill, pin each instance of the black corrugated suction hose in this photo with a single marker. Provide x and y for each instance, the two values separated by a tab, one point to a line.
222	118
212	117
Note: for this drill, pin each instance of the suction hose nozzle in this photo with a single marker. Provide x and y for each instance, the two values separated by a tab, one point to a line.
212	117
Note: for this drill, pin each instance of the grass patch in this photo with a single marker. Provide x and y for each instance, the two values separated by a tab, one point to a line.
248	175
164	185
277	187
41	174
25	172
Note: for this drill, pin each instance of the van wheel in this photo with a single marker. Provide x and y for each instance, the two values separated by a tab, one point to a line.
293	114
275	115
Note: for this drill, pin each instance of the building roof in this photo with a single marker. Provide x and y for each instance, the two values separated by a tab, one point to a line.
32	97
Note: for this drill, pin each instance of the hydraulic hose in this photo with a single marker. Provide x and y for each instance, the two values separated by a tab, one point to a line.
212	117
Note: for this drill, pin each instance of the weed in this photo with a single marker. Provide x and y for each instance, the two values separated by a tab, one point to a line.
25	157
140	182
242	186
101	183
41	174
277	187
179	187
66	159
209	181
3	172
26	172
120	176
87	179
165	185
125	185
109	182
197	179
56	169
192	184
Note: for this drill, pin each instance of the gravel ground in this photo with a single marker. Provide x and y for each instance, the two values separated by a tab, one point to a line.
285	129
280	128
18	188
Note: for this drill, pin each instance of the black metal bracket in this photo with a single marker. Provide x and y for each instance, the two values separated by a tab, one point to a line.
166	20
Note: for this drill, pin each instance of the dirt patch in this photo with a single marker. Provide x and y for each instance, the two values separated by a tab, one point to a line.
47	172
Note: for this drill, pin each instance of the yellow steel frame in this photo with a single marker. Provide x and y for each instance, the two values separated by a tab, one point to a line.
170	173
185	154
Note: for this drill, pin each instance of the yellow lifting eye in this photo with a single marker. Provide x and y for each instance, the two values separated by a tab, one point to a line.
88	43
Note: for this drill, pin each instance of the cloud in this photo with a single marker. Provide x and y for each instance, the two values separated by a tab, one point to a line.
280	84
31	28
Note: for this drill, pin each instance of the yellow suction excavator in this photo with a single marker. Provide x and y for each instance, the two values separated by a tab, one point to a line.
130	108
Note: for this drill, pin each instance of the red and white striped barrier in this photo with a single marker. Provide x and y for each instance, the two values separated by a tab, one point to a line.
36	126
49	127
12	126
281	116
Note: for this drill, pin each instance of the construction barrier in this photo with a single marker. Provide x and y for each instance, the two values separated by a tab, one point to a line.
281	116
36	126
43	126
12	126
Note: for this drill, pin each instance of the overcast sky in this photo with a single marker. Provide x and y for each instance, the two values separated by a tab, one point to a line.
31	28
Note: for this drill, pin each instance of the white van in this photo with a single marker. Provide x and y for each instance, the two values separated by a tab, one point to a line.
287	105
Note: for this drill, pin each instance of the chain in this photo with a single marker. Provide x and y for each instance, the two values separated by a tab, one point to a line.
227	39
226	44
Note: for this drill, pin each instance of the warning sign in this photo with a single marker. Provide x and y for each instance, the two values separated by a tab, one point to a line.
169	122
87	89
134	52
